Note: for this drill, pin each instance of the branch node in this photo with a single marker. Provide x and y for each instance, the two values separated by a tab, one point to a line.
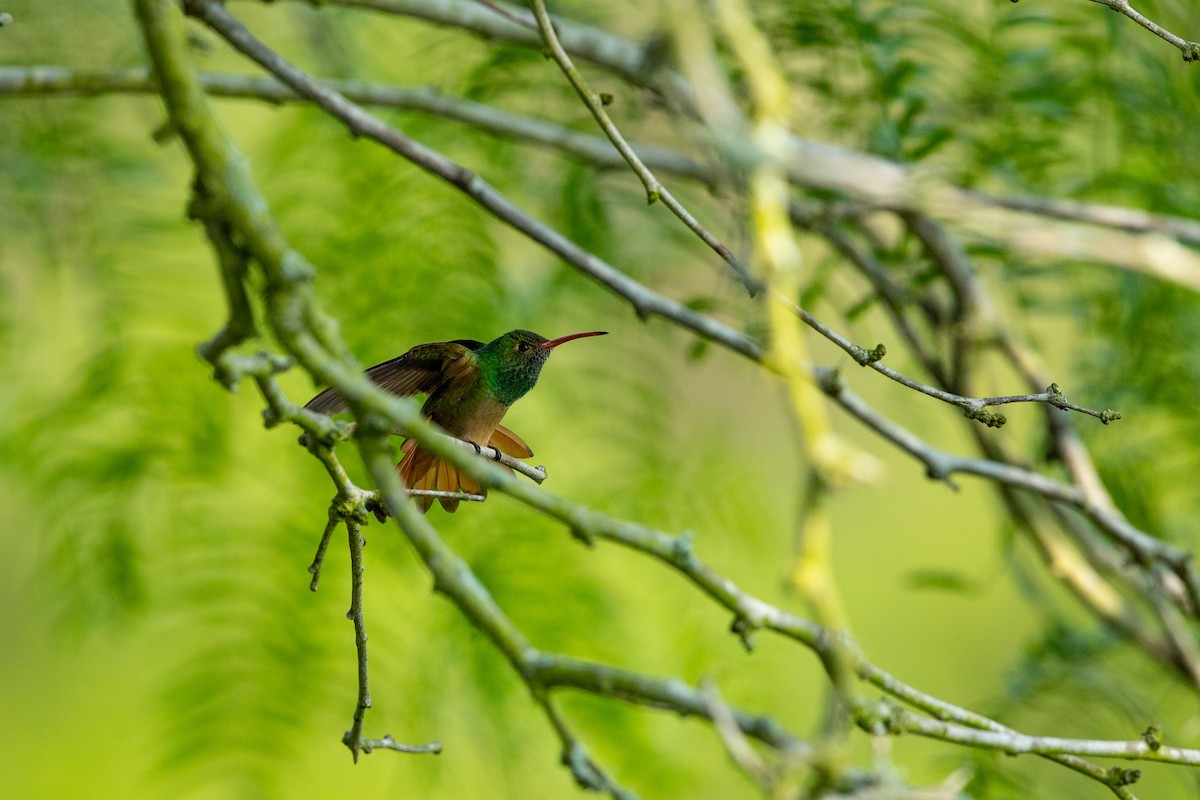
744	629
1152	736
164	133
937	470
294	269
575	758
583	535
830	381
1191	51
1119	776
865	358
980	413
681	550
376	507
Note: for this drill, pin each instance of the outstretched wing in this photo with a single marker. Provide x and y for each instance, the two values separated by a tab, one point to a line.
419	371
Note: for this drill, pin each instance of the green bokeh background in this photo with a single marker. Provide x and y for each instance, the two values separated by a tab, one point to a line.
157	637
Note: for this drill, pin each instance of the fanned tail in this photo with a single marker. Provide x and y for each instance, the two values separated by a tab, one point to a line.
419	469
422	470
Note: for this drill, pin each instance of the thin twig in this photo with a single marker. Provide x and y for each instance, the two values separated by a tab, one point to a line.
586	772
536	474
353	737
897	720
322	546
654	189
388	743
735	741
1190	50
972	406
470	498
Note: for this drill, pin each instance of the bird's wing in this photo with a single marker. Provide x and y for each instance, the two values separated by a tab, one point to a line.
419	371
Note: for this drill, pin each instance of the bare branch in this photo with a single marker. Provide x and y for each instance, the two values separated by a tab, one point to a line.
388	743
319	559
735	741
596	150
1131	220
1190	50
654	189
974	407
353	737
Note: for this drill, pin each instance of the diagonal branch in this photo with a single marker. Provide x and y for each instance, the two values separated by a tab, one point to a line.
44	81
654	189
1190	50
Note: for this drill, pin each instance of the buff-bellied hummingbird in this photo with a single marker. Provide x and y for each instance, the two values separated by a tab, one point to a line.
470	387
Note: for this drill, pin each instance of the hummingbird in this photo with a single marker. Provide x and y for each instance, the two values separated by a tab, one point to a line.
470	385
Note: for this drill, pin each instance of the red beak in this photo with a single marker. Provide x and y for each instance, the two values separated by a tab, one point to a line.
553	343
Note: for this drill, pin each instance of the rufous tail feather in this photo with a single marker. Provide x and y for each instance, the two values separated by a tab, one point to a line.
419	469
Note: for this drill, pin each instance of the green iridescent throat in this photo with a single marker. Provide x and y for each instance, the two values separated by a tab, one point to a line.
511	364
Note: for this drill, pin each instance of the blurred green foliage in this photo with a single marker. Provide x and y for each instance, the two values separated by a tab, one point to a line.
157	633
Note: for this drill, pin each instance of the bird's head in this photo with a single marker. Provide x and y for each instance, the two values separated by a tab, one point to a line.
513	361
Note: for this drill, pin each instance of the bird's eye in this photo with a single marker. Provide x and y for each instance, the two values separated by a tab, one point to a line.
523	346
